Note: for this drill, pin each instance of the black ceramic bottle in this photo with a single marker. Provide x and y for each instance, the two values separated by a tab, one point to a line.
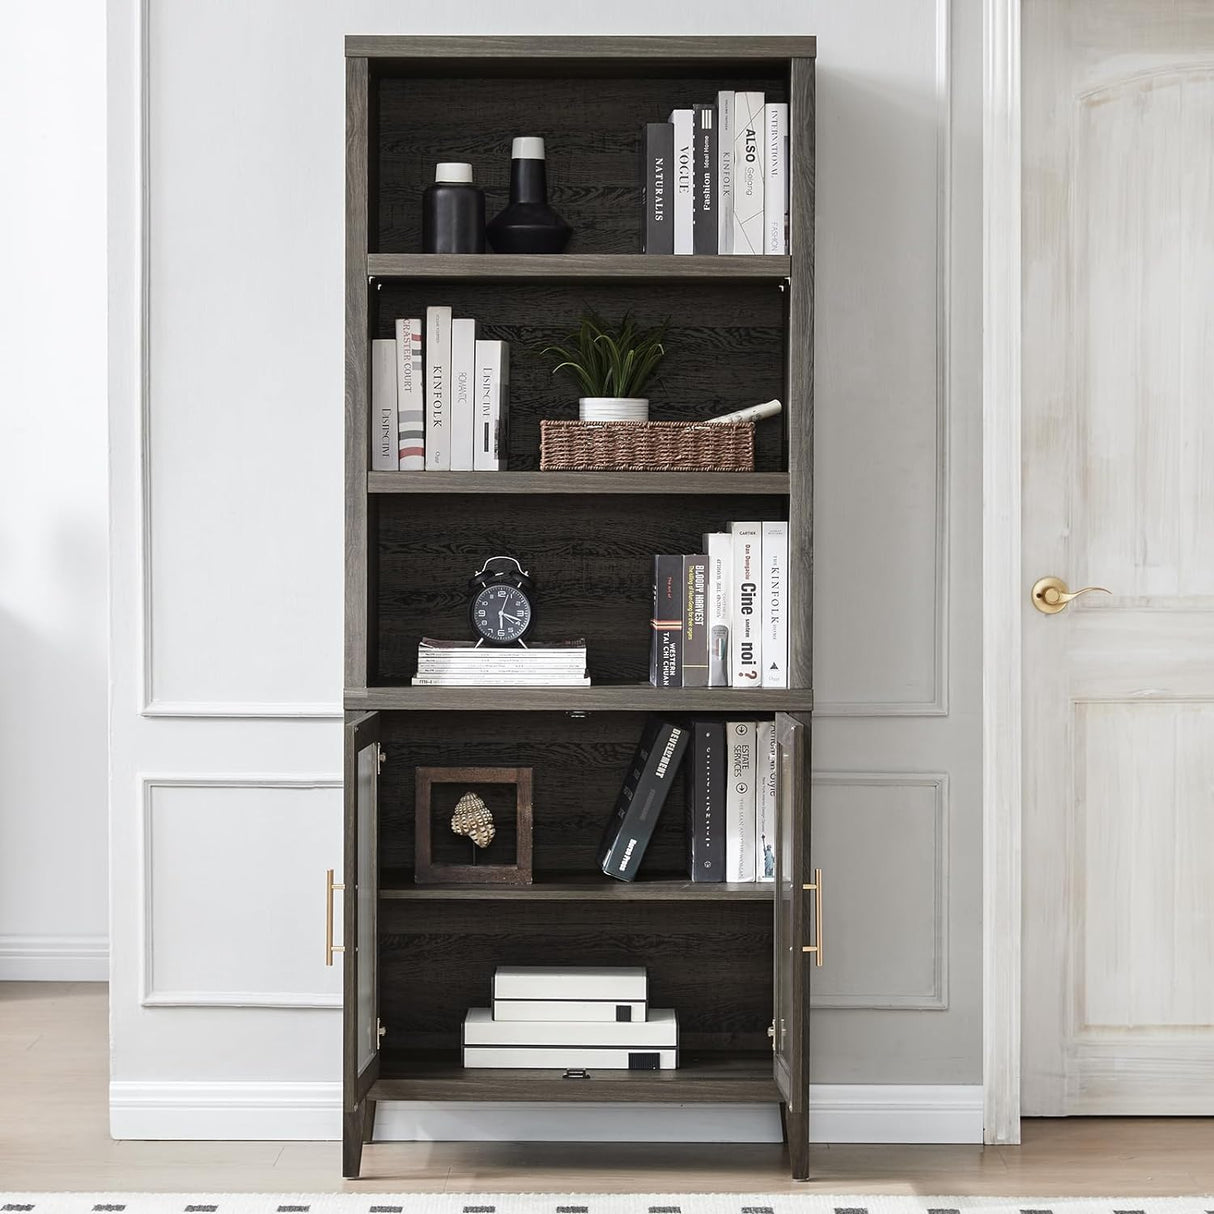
528	224
453	212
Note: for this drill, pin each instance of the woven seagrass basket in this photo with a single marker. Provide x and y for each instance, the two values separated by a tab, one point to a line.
567	446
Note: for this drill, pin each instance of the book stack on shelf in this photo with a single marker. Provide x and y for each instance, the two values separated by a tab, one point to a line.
472	664
720	617
439	397
716	178
572	1017
731	801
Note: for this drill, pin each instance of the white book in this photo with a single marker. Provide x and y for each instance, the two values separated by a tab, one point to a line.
725	102
512	680
596	1010
623	982
438	389
569	1057
659	1030
775	188
745	616
383	406
774	616
492	406
410	396
719	547
748	173
765	800
463	394
683	122
740	804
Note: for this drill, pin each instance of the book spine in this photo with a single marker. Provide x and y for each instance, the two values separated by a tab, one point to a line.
569	1057
748	173
682	124
765	801
775	186
463	393
666	656
745	617
658	170
774	615
410	396
438	389
740	801
706	802
719	547
492	410
695	621
592	1010
704	233
725	131
631	824
384	456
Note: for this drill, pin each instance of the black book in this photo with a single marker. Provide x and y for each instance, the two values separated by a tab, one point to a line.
649	778
704	230
695	621
666	655
657	172
706	802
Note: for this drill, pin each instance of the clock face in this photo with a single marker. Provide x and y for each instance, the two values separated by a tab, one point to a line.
501	614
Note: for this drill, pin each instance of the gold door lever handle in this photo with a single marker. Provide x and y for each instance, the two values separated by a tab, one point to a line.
330	887
1050	595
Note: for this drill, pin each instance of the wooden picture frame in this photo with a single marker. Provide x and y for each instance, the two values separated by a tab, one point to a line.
430	872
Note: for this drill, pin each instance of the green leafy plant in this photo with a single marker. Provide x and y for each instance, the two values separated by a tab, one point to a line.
610	361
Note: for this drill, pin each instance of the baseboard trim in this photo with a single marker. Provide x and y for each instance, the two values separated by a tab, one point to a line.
54	959
880	1113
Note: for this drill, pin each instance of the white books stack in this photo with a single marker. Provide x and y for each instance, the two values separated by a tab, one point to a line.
750	801
471	664
571	1017
443	392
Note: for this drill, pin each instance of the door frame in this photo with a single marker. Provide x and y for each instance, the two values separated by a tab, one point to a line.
1002	605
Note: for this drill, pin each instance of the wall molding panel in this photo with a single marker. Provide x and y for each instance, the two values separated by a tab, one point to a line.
937	998
150	994
938	704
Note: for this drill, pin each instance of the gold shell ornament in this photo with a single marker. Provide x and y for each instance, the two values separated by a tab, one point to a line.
473	819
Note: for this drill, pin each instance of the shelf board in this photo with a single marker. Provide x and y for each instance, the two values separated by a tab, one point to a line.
576	266
587	891
773	483
605	697
738	1078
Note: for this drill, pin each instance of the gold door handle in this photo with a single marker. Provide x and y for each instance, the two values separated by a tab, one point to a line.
1050	595
330	947
816	947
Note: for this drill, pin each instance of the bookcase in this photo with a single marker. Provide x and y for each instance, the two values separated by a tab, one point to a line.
733	960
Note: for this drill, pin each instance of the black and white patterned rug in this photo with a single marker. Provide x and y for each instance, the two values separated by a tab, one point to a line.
574	1203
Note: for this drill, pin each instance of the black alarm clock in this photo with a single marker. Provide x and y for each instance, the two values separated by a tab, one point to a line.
502	609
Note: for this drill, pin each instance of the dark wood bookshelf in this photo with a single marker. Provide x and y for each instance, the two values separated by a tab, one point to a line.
605	890
711	484
730	959
488	267
602	697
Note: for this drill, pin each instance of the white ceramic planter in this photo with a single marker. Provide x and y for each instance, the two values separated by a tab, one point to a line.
613	408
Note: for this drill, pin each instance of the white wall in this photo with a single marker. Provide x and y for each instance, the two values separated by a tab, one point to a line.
226	563
53	502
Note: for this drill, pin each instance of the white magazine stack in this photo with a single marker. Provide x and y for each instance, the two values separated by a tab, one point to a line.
573	1018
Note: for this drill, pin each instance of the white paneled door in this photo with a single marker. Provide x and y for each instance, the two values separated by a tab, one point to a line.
1118	492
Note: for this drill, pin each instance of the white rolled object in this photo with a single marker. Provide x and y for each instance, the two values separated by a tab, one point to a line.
769	408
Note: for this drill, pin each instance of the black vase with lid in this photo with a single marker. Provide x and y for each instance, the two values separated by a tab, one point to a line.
528	224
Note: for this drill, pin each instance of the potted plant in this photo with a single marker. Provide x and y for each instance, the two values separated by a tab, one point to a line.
612	365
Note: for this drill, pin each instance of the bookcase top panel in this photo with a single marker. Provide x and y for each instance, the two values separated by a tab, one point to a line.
528	49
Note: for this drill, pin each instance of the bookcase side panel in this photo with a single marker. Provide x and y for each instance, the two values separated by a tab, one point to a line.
357	347
800	373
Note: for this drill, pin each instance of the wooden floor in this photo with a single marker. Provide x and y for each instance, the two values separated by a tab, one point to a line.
54	1136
